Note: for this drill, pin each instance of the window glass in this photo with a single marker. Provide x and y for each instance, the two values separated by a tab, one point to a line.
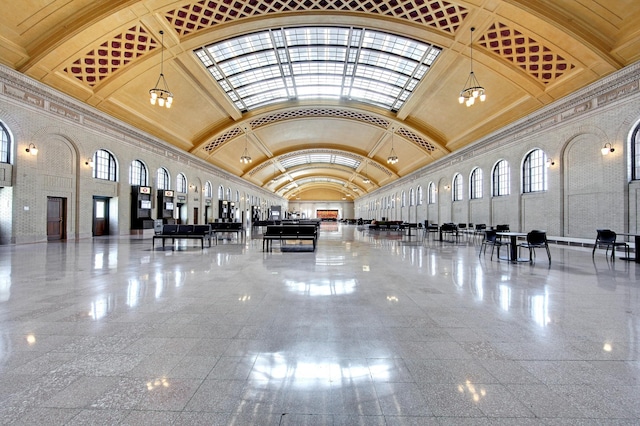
457	187
162	179
475	184
138	173
5	145
104	165
534	172
501	176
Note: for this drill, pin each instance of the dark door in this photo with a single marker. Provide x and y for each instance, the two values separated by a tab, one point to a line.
207	210
100	216
195	216
56	218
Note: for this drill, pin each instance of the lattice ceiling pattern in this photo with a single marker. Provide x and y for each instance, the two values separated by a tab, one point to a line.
532	56
418	140
222	139
319	112
192	17
104	60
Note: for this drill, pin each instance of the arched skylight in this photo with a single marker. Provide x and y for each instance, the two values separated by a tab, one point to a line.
299	160
318	62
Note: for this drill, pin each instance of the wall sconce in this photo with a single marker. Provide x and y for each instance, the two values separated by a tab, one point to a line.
31	149
447	187
606	149
89	162
550	162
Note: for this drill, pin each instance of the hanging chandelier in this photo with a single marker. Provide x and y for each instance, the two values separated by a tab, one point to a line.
160	93
473	90
392	158
245	158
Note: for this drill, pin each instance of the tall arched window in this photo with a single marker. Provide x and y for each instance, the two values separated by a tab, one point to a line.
181	183
237	196
534	172
431	193
501	178
138	173
220	192
229	194
419	193
412	197
635	154
475	184
162	179
457	188
5	145
403	202
104	165
208	190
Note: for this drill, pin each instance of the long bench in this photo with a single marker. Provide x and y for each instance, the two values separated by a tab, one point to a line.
227	227
289	232
183	232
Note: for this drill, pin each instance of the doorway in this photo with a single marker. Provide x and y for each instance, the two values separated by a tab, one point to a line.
100	216
56	218
195	215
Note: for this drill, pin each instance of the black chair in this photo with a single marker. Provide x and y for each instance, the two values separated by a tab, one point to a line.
536	239
607	238
490	239
449	228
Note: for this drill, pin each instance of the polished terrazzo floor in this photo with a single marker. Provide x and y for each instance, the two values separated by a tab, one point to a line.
371	329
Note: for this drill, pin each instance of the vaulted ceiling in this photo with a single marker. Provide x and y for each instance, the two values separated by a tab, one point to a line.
526	54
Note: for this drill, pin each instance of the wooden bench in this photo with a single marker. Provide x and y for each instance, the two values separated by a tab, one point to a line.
289	232
183	232
227	227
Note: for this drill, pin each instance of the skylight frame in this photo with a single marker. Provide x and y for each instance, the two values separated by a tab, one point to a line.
334	62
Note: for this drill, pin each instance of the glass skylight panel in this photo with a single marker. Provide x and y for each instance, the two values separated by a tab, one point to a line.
285	63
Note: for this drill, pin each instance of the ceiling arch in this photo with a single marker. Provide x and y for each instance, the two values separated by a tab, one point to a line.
526	54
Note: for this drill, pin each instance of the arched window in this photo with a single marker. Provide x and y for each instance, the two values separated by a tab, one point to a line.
393	201
5	145
162	179
419	192
138	173
220	193
403	202
181	183
208	190
457	187
412	197
432	193
104	165
501	177
635	154
237	196
475	184
534	172
229	194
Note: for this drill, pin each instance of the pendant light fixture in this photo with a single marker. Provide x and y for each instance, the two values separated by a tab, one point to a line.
473	90
160	94
392	158
245	158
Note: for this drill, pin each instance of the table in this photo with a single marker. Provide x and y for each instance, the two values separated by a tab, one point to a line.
637	242
513	250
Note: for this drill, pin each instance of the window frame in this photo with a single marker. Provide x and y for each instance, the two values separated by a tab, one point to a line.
534	172
456	188
635	153
432	194
138	173
5	144
501	179
476	187
105	166
163	179
181	183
